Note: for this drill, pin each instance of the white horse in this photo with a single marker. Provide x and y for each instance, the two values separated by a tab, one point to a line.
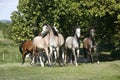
43	43
73	43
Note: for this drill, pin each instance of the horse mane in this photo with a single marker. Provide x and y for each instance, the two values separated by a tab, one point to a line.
88	35
43	35
73	33
88	32
54	31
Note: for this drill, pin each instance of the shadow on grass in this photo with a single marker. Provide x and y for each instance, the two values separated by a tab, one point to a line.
105	57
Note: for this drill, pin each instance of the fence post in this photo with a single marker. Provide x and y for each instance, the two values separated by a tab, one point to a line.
3	56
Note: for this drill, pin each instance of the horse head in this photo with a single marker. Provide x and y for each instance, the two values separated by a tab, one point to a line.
78	32
45	30
92	32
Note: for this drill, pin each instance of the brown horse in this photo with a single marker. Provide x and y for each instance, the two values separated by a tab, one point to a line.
89	44
26	48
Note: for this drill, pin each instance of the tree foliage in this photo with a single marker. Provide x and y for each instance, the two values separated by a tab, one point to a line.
4	28
67	14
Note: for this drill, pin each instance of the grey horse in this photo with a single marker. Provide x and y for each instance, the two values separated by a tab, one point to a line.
73	43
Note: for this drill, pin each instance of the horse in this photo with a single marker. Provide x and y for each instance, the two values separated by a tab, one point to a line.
60	46
89	44
73	43
26	48
45	42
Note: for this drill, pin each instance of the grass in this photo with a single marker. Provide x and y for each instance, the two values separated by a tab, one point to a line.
102	71
11	68
9	51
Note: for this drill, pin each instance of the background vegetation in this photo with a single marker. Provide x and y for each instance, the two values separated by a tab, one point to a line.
104	15
11	68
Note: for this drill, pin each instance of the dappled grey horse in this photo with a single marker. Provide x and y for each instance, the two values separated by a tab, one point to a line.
47	40
89	44
60	46
73	43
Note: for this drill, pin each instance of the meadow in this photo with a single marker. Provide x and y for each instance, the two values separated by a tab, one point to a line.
11	68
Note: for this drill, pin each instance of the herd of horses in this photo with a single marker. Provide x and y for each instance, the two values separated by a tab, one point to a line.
50	47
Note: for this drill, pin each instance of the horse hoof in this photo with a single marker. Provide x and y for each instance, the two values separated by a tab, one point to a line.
98	62
22	63
76	64
42	65
31	63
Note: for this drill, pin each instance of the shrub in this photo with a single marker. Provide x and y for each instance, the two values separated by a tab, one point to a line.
105	46
115	54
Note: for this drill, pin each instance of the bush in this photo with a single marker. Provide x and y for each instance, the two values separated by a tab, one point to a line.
115	54
105	46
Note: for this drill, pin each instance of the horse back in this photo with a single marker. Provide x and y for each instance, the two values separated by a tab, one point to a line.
26	46
68	42
61	39
29	45
39	42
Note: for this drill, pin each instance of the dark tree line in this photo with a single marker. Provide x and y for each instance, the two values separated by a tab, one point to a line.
103	15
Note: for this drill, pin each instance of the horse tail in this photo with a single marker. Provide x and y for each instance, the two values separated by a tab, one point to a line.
20	47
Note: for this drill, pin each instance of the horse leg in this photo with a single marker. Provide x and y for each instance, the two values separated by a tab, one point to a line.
97	55
73	50
33	60
23	58
40	58
63	56
33	57
78	51
48	54
58	55
55	56
71	58
91	55
85	54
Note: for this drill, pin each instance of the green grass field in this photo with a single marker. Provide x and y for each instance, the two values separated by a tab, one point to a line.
102	71
11	68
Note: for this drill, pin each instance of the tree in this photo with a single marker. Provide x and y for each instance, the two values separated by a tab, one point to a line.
67	14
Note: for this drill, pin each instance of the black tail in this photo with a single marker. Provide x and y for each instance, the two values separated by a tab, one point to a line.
20	47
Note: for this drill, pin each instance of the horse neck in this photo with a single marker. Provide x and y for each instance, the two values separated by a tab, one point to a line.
76	38
51	33
52	38
92	39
